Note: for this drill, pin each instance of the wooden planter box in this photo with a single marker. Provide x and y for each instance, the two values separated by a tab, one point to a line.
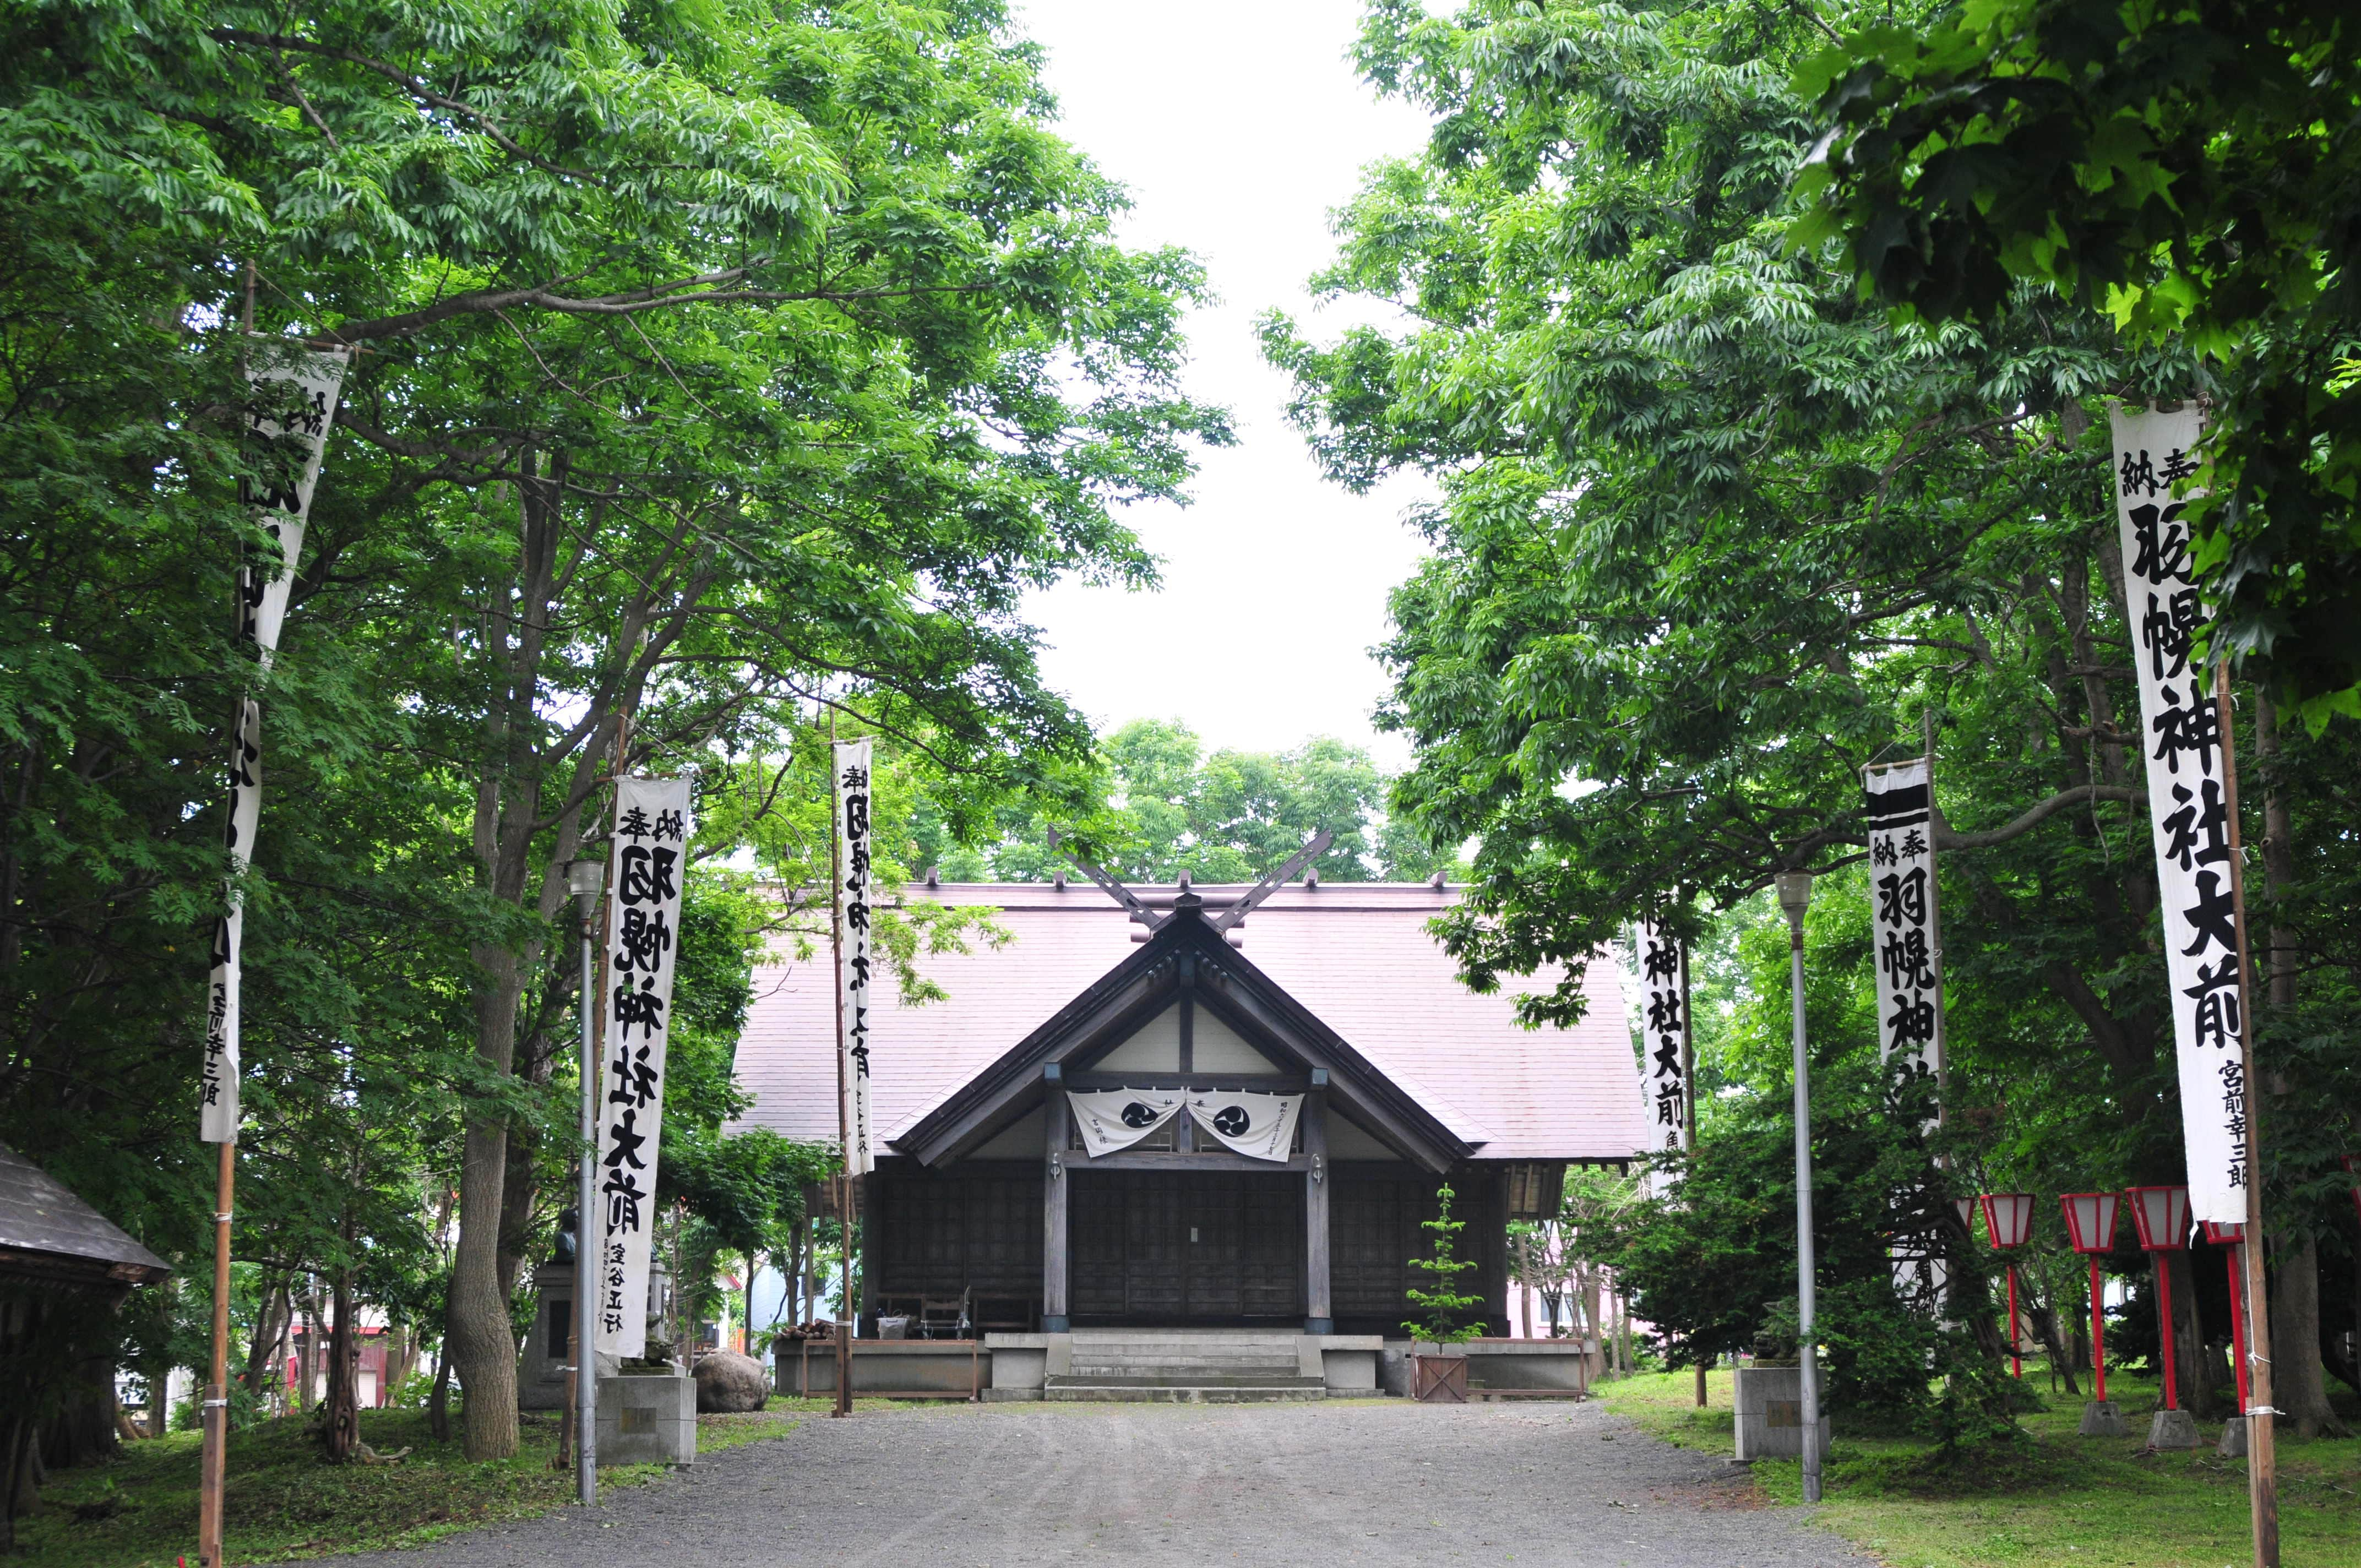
1438	1379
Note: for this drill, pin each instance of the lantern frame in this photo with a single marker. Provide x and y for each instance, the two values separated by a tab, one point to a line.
2161	1216
2091	1229
2231	1234
2008	1218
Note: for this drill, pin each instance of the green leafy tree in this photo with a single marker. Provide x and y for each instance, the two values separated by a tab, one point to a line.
1156	804
2188	170
719	362
1713	533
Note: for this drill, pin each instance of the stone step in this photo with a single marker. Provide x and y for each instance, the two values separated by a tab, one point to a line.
1140	1391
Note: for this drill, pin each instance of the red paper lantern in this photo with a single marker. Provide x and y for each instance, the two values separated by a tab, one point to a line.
2091	1220
2162	1215
2008	1220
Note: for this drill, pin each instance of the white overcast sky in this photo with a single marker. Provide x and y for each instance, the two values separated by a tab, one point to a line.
1236	127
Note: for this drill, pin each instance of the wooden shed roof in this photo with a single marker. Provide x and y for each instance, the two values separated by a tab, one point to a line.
48	1233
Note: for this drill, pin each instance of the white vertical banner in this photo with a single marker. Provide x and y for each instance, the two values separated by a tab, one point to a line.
263	590
1902	911
2154	454
855	911
651	844
1664	1026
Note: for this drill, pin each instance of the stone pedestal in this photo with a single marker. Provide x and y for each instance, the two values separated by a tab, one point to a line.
647	1418
2233	1438
2104	1418
541	1369
1771	1413
2173	1428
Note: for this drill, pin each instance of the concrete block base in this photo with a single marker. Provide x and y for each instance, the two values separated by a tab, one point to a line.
2104	1418
2173	1428
1770	1413
2233	1438
647	1420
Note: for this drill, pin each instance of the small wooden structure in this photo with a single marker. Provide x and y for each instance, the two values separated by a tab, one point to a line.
64	1267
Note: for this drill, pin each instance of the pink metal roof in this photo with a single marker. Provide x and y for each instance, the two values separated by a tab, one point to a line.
1357	954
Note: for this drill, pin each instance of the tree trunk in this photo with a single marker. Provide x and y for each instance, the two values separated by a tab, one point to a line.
2299	1382
2299	1378
265	1338
479	1345
15	1476
307	1354
438	1403
508	843
2201	1385
340	1424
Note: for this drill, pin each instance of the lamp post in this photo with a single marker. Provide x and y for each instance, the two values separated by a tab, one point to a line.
1795	898
583	880
2008	1219
2091	1227
2161	1214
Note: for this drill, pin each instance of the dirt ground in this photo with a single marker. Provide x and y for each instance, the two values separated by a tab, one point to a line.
1283	1486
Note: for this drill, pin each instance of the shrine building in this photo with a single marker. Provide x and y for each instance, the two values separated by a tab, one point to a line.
1205	1108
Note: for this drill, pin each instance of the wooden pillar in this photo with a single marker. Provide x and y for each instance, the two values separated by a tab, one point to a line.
1054	1181
1184	1126
1317	1319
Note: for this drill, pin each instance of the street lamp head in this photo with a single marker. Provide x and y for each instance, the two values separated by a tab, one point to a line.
1795	896
583	880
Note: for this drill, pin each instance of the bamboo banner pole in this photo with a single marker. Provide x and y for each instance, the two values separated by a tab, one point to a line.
843	1126
2262	1456
213	1464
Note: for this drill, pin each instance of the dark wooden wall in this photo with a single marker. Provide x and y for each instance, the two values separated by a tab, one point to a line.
978	1225
939	1232
1375	1217
1209	1247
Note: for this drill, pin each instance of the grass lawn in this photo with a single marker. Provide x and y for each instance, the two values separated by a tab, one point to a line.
140	1510
2068	1500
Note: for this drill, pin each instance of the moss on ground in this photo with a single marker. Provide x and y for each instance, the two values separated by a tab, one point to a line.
2059	1499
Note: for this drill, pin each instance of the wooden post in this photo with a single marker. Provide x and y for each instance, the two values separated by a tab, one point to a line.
844	1406
1317	1319
1184	1126
2262	1453
1053	1200
213	1464
844	1284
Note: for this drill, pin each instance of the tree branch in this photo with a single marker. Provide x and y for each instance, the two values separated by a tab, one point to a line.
275	42
2034	815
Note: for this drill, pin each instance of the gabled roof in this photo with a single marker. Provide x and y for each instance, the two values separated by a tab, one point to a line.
1354	958
1185	954
48	1233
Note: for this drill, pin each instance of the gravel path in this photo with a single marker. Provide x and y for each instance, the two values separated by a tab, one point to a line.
1265	1486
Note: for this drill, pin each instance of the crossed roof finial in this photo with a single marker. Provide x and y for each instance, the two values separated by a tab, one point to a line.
1229	915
